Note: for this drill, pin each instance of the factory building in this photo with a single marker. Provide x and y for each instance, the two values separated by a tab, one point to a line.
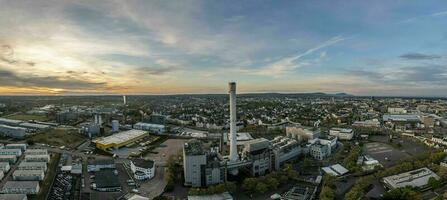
202	168
14	152
10	122
13	131
258	152
17	146
106	180
155	128
21	187
301	133
321	148
90	129
36	152
284	149
120	139
37	158
33	166
28	175
342	133
142	169
4	167
34	126
97	165
415	178
115	125
11	159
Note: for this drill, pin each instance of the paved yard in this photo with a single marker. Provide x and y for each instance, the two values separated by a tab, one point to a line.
384	153
167	148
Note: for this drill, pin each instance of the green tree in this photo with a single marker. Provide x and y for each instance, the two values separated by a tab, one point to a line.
249	184
407	193
434	183
327	193
261	187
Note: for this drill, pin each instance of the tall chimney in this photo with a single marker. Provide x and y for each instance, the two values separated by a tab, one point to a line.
233	146
124	99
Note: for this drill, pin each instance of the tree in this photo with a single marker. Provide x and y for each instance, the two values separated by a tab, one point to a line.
327	193
249	184
354	194
272	183
407	193
434	183
261	187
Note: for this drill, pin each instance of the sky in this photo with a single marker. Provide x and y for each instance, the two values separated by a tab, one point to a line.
368	48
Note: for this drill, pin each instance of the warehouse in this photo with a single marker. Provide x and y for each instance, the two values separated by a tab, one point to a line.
33	166
120	139
14	152
16	146
106	181
21	187
11	159
36	152
10	122
37	158
28	175
4	167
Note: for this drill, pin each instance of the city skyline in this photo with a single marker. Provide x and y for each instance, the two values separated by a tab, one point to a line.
379	48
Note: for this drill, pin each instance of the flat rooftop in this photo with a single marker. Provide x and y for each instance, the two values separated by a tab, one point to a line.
415	178
21	184
194	147
121	137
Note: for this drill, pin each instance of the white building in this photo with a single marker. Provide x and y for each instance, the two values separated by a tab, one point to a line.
392	110
28	175
4	167
335	170
415	178
342	133
142	169
374	123
33	166
156	128
17	146
37	158
21	187
13	131
301	134
36	152
14	152
11	159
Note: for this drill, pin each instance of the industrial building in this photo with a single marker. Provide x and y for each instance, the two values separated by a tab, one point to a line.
301	133
10	122
120	139
28	175
106	180
202	168
415	178
115	125
142	169
37	158
321	148
342	133
13	131
11	159
284	149
155	128
21	187
4	167
17	146
97	165
335	170
36	152
33	166
14	152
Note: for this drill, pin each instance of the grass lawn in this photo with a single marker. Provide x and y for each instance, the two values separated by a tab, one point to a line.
45	185
26	117
58	137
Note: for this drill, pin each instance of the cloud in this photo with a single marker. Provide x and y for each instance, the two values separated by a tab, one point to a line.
419	56
291	63
412	19
9	78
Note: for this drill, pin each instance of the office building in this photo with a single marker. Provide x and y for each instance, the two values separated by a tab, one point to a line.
5	167
28	175
342	133
11	159
17	146
33	166
37	158
21	187
414	178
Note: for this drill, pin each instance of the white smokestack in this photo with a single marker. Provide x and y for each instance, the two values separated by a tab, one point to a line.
124	99
233	146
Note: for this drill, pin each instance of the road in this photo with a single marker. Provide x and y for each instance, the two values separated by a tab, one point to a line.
155	186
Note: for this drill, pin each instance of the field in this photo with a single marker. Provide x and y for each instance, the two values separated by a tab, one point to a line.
26	117
58	137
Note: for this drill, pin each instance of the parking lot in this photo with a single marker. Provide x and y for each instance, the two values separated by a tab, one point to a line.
164	150
386	154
